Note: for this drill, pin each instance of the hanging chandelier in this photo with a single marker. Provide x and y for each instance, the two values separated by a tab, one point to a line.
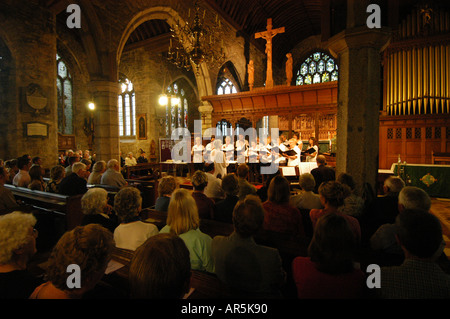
196	41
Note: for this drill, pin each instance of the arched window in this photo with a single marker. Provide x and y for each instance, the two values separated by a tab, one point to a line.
177	108
319	67
127	108
64	87
226	87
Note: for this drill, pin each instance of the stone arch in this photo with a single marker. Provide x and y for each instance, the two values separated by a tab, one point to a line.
170	15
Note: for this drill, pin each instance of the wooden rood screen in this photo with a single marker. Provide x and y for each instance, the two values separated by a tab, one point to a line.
316	101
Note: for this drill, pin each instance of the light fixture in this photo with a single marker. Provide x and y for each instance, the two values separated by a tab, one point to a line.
91	106
89	128
163	100
196	41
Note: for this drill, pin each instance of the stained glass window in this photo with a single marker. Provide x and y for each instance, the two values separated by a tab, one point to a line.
65	97
319	67
127	108
177	108
226	87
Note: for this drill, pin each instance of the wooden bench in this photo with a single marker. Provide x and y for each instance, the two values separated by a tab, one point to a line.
67	206
138	169
440	158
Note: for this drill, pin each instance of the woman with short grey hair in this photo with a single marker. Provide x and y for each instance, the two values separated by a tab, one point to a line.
96	209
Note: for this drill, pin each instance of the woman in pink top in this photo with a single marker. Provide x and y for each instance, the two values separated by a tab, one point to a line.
329	271
332	195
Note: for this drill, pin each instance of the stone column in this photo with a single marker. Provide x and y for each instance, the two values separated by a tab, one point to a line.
359	51
106	120
205	109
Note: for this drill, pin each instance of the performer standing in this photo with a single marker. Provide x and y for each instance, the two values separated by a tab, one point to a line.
241	148
197	154
312	150
294	160
228	149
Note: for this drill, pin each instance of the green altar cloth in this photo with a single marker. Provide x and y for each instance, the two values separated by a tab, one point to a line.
434	179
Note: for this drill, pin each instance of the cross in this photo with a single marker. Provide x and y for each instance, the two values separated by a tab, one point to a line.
268	35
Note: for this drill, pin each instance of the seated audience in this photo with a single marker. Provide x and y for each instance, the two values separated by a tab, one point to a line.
18	245
353	204
248	269
166	187
22	178
419	233
279	215
183	220
205	204
213	189
262	192
57	174
74	183
322	173
90	247
131	232
142	158
224	208
37	180
329	271
160	269
7	199
332	194
112	176
72	160
96	209
245	188
36	161
384	238
306	199
97	171
88	163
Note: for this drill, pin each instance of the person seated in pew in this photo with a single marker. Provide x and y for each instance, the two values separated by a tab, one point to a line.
7	199
306	199
419	234
130	160
205	204
37	181
97	171
183	220
57	174
322	173
160	268
330	271
90	247
280	216
166	187
112	176
249	270
223	210
353	204
18	245
74	183
22	178
11	167
332	195
131	232
384	239
214	188
245	188
96	209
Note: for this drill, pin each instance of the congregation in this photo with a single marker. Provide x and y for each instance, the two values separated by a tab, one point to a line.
344	231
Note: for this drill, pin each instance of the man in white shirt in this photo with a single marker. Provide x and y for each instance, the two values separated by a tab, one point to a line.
130	160
22	178
214	188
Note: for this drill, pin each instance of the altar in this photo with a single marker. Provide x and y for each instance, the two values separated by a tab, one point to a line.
434	179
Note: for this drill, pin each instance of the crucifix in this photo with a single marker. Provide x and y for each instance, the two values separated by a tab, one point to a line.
268	35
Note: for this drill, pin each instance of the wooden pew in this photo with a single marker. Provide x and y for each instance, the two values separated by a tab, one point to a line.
67	206
440	158
205	285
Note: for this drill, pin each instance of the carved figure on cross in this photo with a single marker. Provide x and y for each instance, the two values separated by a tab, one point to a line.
268	35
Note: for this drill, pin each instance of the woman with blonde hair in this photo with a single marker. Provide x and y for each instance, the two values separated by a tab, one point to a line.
183	221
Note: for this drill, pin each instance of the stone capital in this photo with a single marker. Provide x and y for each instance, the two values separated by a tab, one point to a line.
359	37
205	108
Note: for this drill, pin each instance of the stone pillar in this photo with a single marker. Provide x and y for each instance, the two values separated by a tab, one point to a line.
205	109
359	51
106	120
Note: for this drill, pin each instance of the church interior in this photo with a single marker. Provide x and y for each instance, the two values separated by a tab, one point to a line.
370	84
